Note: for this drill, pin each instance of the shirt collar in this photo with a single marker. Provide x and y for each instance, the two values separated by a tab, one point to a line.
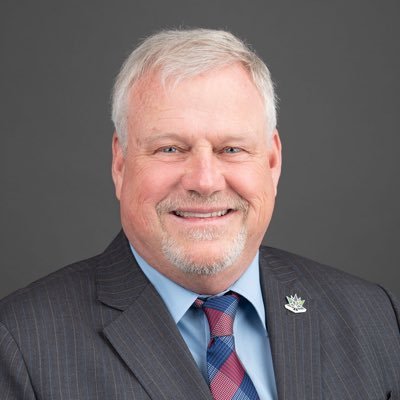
179	299
248	286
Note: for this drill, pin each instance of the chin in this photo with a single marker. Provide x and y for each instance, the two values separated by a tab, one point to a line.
204	256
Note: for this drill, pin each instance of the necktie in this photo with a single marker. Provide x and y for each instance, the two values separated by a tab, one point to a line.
226	376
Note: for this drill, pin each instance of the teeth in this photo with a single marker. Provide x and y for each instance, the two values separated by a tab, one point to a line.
186	214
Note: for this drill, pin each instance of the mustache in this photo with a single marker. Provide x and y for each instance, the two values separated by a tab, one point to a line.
194	199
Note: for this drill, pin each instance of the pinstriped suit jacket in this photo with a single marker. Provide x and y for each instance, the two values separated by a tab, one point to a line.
97	329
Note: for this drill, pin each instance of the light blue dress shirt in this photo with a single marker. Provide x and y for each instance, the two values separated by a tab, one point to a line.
251	337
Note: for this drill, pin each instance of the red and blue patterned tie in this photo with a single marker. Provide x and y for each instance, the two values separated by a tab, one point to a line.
226	376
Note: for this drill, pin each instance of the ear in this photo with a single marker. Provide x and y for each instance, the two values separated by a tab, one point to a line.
275	158
118	165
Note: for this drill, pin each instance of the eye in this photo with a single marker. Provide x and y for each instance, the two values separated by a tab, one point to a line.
169	149
232	150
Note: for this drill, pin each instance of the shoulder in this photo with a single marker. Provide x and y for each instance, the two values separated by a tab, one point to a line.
330	287
70	293
73	283
315	273
77	279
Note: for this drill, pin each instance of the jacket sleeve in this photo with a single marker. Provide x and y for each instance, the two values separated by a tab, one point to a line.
15	383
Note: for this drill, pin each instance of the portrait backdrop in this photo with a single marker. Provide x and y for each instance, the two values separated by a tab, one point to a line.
336	68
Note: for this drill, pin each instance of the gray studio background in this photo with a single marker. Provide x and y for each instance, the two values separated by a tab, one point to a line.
336	66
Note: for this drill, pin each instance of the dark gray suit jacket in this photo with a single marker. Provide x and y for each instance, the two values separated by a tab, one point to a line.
98	329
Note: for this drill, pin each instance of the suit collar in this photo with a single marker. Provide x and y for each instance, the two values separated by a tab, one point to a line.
119	281
294	338
144	334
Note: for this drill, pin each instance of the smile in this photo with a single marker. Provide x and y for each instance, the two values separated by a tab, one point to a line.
191	214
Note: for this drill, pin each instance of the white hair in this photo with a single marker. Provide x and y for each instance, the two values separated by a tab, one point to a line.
182	54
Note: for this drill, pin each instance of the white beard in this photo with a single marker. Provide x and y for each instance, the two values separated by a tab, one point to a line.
180	256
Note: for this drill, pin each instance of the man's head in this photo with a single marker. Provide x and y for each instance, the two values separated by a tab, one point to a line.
196	156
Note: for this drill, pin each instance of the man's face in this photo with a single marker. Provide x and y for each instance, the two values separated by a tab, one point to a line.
198	180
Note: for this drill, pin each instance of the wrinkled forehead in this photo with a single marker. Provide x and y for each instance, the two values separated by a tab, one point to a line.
159	82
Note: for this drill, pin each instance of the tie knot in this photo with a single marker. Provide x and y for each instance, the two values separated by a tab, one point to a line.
220	312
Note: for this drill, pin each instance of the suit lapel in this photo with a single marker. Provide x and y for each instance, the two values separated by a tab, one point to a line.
294	338
144	334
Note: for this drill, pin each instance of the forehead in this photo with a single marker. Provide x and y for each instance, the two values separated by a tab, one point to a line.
219	98
152	84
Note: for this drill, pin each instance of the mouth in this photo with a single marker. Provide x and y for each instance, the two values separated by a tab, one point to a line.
202	214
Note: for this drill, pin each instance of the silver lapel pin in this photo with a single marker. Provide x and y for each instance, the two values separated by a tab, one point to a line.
295	304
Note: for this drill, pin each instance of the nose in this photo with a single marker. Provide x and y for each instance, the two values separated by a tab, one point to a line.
203	173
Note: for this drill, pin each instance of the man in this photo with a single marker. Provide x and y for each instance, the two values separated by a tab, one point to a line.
184	304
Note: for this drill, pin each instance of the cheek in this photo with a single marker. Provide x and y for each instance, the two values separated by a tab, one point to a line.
145	185
254	184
